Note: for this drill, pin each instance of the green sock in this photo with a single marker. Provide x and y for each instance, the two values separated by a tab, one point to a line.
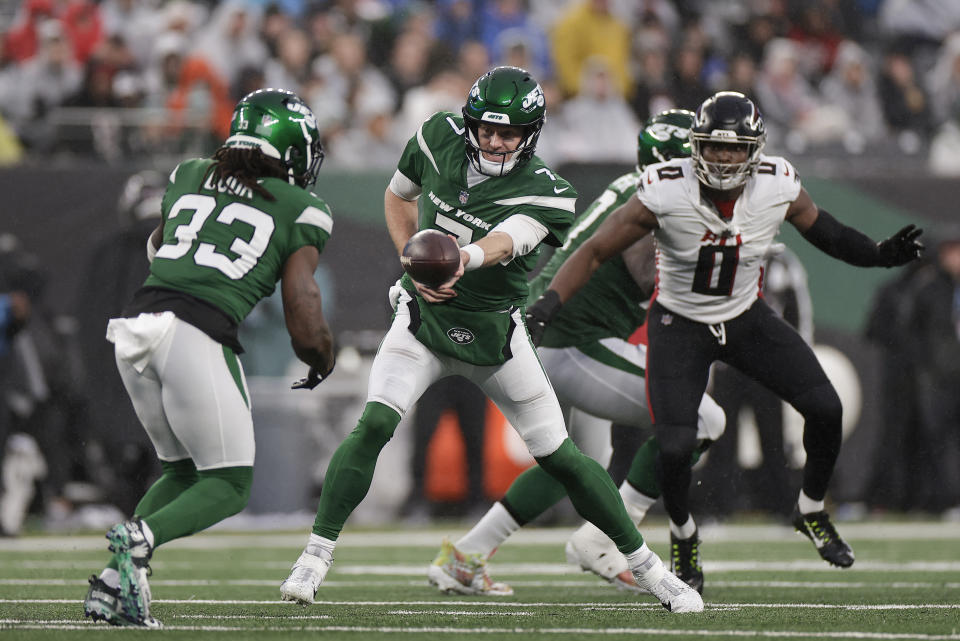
351	469
533	493
177	476
643	470
216	495
593	494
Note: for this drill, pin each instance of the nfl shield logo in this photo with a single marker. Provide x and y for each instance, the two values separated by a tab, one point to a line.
463	197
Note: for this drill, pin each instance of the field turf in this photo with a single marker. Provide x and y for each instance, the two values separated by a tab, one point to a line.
762	581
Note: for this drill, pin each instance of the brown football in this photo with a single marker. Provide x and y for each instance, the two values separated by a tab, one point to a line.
431	257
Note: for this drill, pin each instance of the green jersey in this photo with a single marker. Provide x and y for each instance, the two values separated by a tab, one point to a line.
435	159
609	304
227	248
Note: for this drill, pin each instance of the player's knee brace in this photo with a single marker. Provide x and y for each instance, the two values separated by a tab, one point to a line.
239	480
677	443
377	425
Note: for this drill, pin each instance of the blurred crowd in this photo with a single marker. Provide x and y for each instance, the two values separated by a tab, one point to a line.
857	75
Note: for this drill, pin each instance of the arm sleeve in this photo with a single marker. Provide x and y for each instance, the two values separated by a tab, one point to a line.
526	233
403	187
842	242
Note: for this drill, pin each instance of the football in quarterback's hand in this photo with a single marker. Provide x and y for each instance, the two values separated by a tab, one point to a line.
431	258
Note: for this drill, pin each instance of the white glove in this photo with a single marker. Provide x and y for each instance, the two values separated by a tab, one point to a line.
393	295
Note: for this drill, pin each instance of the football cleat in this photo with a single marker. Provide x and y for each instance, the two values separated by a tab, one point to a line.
101	604
685	560
817	527
593	551
454	572
674	594
132	552
305	577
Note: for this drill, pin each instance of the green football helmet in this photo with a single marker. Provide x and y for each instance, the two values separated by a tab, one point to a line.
504	96
664	136
280	125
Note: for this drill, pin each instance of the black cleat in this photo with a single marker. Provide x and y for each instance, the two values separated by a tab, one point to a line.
818	528
685	560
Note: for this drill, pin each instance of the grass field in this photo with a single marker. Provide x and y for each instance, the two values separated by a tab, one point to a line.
762	581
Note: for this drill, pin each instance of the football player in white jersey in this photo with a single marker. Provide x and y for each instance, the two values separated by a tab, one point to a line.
714	216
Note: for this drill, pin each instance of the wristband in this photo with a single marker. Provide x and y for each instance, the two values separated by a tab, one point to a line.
476	255
151	250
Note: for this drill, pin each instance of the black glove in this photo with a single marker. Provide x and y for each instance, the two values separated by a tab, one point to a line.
900	248
312	379
541	313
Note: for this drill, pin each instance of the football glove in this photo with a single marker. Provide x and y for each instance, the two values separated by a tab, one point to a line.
312	379
541	313
900	248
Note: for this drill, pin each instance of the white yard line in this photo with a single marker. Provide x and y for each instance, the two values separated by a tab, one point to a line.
507	604
220	539
581	632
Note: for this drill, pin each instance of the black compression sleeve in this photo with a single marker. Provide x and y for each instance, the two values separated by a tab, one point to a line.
832	237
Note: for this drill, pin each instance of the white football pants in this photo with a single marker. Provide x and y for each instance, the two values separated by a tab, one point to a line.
614	394
404	368
183	391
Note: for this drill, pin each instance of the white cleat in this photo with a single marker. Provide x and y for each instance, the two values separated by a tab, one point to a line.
594	552
305	577
674	594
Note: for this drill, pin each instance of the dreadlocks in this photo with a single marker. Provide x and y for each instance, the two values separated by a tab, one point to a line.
244	167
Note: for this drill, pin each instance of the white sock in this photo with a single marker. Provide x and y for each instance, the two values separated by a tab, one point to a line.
111	577
489	533
807	505
643	561
147	532
637	503
684	531
317	543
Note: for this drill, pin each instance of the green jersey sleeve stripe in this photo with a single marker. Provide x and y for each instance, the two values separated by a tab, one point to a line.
566	204
317	218
425	149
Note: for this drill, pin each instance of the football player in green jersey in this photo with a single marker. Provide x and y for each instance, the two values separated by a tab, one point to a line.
595	369
476	177
232	226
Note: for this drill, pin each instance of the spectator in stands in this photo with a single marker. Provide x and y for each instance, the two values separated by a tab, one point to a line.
274	26
935	326
504	22
654	84
817	32
473	60
943	81
443	92
742	75
689	87
83	26
456	23
594	120
44	82
793	111
589	29
945	148
22	40
906	106
408	64
135	20
229	41
344	79
850	86
290	68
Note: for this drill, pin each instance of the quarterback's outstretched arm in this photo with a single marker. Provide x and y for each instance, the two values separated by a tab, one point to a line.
845	243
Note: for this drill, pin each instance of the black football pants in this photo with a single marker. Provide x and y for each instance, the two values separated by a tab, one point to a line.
762	346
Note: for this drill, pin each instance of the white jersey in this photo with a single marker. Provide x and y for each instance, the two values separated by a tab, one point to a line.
709	269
